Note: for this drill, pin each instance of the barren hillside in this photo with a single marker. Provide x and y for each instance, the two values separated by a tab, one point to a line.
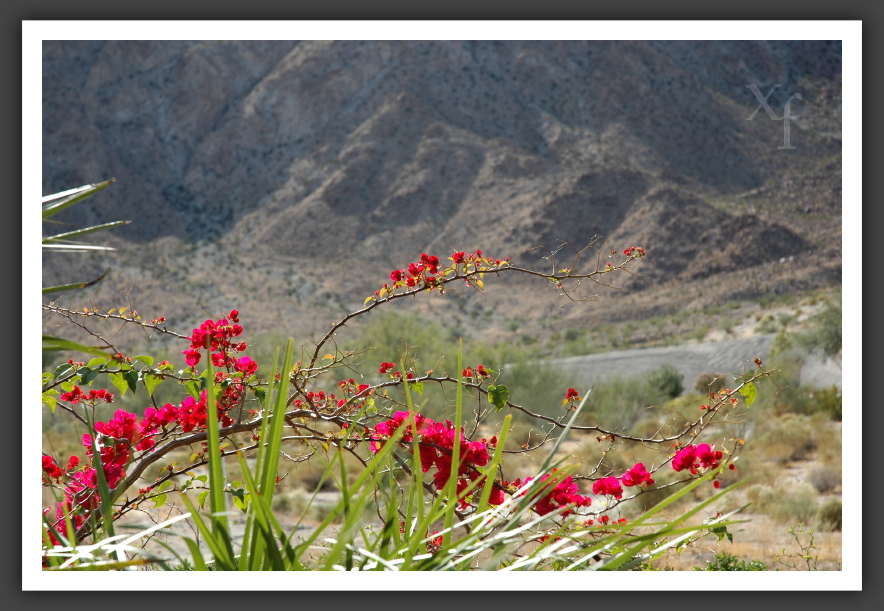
288	178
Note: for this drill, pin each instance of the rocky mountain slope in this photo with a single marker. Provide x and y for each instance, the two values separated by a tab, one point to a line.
288	178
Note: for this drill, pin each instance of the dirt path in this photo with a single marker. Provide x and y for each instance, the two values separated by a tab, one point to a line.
727	356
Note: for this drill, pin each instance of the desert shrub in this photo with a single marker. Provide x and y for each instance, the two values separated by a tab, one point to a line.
727	325
784	504
667	380
710	382
825	335
767	325
789	437
784	345
699	333
725	561
829	515
536	385
295	503
621	402
824	478
391	335
826	401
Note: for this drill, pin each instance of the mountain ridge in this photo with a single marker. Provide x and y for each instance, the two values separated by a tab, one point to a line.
290	177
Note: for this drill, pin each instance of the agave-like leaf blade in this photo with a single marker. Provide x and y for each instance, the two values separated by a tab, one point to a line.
52	205
51	344
62	237
75	247
74	286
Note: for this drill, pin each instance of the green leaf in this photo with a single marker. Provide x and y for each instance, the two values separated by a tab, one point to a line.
53	204
147	360
498	395
260	392
62	370
75	285
64	237
749	391
97	362
193	387
417	387
159	499
119	381
201	498
721	532
165	485
49	400
87	374
132	379
51	344
151	381
240	498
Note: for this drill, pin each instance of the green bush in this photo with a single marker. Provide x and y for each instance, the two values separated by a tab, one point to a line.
784	505
825	335
766	325
789	437
829	516
710	382
826	401
725	561
668	380
620	402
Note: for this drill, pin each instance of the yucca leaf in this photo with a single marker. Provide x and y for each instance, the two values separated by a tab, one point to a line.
64	237
74	286
53	204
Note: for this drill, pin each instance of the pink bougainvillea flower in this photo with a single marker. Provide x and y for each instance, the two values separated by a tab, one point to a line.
563	497
246	365
637	476
73	396
191	357
50	468
608	485
708	456
686	458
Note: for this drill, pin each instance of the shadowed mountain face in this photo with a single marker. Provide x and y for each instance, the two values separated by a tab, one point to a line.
311	159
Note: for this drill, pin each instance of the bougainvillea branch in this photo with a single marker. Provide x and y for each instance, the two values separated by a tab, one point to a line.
359	418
